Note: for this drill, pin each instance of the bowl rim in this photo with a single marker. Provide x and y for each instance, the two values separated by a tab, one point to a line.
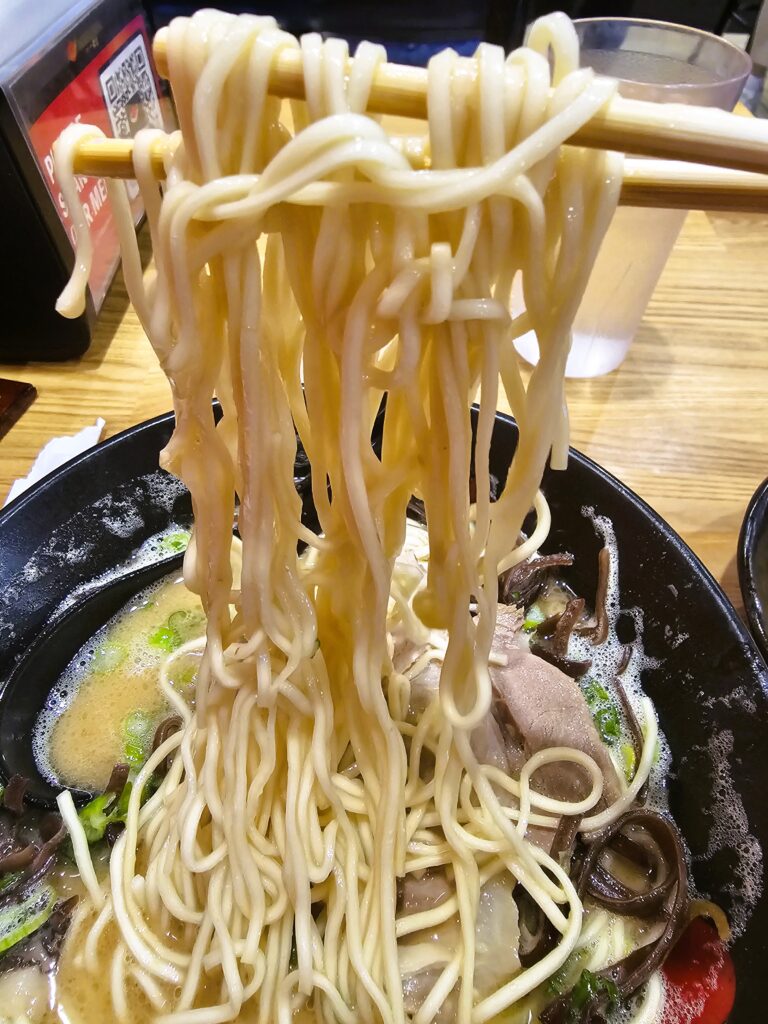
51	479
755	639
754	522
148	436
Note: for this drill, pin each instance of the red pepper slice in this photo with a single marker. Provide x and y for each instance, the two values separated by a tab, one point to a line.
699	977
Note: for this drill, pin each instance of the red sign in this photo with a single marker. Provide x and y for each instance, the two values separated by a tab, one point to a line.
117	92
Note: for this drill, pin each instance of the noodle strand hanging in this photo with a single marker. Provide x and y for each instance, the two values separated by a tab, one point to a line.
302	271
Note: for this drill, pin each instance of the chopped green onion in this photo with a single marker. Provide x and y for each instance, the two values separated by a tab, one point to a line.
93	817
175	542
136	724
108	657
151	786
595	694
560	980
605	713
181	626
183	676
18	920
629	761
534	617
122	804
134	753
188	623
137	734
589	987
165	638
608	723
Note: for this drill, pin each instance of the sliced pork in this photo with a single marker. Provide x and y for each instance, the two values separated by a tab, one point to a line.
536	706
540	707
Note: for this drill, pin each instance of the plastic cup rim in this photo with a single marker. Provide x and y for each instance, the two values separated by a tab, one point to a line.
670	26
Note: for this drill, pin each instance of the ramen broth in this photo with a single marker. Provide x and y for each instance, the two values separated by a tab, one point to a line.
107	704
114	678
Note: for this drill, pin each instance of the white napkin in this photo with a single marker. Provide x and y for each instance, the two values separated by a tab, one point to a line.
54	454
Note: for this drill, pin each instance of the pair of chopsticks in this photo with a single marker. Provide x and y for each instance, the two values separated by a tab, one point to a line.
734	149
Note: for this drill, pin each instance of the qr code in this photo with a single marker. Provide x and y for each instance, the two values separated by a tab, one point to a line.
128	86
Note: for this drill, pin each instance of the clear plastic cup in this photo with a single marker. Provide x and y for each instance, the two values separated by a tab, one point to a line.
652	61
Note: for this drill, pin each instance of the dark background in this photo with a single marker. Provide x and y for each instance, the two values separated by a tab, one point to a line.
413	30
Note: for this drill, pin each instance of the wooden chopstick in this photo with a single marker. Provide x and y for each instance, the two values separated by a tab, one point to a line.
648	183
113	158
672	184
737	145
669	130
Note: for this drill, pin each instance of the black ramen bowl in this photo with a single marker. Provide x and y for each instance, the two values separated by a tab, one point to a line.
753	565
706	678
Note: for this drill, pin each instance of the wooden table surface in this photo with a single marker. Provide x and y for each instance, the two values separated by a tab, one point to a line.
684	421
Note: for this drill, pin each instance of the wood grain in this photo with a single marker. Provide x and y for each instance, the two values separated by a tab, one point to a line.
684	420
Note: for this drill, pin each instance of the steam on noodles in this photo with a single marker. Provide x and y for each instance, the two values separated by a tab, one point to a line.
300	275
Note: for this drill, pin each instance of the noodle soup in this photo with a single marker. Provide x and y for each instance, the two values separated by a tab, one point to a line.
80	990
107	704
419	780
